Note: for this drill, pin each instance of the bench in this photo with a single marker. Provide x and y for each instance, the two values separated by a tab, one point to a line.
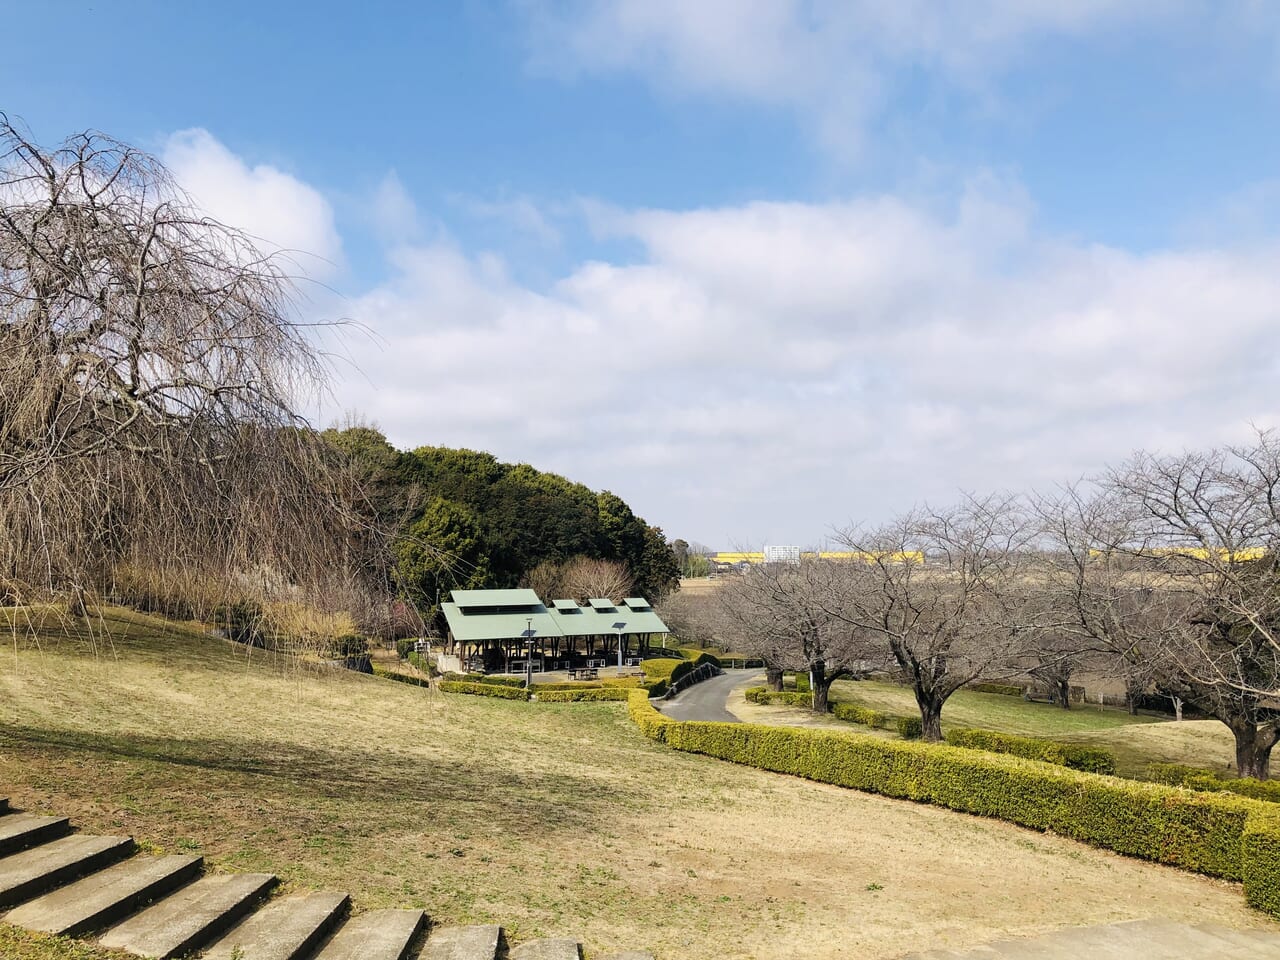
584	673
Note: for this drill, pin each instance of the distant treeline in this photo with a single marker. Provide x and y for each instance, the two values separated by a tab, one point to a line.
463	519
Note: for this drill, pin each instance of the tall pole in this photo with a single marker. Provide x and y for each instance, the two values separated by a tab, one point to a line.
528	653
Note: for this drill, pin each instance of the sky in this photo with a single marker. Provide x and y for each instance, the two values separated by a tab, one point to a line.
765	270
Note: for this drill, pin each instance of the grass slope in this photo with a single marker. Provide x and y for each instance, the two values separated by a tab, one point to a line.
555	820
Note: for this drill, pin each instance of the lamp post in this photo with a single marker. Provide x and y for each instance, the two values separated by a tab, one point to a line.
618	626
528	634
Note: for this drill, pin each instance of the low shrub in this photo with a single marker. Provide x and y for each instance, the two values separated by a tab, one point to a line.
400	677
707	658
863	715
629	683
1194	778
581	696
1004	689
788	697
657	688
660	668
420	662
404	648
500	691
1073	755
483	678
802	683
651	723
909	728
568	685
1260	856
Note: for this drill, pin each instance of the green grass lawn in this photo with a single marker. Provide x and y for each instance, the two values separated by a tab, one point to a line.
1135	741
554	820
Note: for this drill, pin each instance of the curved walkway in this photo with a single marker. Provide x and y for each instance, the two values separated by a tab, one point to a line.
708	700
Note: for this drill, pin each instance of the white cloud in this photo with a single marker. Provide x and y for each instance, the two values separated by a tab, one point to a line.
833	61
778	367
281	211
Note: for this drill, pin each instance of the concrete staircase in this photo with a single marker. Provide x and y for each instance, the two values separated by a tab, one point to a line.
1132	940
55	881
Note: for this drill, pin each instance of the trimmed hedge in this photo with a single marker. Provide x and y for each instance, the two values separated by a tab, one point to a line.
1004	689
501	691
1075	756
909	728
630	683
660	668
490	679
1195	831
680	671
1194	778
707	658
405	647
790	698
581	696
1260	853
568	685
401	677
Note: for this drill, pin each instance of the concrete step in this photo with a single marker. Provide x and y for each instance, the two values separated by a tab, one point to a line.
104	897
190	918
31	872
558	948
376	935
462	943
284	929
19	831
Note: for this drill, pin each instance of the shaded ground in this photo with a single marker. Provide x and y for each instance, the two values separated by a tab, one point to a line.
552	819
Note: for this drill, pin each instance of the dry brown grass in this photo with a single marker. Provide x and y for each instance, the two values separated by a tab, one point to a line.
550	819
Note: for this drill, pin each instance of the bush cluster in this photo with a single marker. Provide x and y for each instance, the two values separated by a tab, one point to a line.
500	691
1194	778
1260	856
909	728
660	668
404	648
485	678
580	695
1222	836
401	677
1075	756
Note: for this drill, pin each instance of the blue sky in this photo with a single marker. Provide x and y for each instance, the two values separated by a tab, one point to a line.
761	269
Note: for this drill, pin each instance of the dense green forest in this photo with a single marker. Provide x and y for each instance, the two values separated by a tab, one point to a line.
463	519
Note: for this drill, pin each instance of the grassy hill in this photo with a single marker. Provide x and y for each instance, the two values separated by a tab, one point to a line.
551	819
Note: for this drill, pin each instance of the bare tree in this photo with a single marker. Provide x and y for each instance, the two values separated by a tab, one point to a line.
585	578
1206	528
794	617
945	591
150	371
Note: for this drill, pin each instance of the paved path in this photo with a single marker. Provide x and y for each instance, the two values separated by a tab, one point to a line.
707	700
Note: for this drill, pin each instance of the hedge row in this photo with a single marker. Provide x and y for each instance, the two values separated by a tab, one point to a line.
1004	689
1215	834
401	677
1075	756
500	691
1260	855
581	695
485	678
909	728
1194	778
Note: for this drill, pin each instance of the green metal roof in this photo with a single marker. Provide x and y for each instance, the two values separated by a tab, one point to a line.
637	603
641	621
598	603
472	625
576	621
467	599
566	605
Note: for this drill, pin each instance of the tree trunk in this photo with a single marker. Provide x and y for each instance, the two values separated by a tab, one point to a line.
1253	749
773	678
1177	707
819	685
931	721
1064	693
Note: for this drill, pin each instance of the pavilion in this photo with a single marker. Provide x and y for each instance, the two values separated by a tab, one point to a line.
487	628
